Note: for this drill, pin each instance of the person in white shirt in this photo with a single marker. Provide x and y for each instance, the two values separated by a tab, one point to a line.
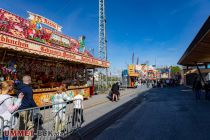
77	118
60	109
8	105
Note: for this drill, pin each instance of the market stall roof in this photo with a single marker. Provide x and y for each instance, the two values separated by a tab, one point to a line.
196	71
27	36
199	50
29	47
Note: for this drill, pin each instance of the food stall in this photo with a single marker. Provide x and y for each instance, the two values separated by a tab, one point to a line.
132	76
146	72
36	47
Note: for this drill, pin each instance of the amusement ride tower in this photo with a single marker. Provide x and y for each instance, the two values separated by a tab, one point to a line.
102	50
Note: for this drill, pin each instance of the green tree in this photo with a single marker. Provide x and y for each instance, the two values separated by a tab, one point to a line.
175	69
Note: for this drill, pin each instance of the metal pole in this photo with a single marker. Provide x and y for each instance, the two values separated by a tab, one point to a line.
105	47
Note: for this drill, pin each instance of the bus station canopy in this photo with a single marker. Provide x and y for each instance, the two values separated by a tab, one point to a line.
198	53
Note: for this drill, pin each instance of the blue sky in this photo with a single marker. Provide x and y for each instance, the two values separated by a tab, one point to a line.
152	29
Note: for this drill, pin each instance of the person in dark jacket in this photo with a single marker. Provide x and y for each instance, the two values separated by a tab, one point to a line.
28	101
115	92
197	87
26	117
206	88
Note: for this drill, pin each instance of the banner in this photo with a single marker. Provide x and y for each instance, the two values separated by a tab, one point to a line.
131	69
43	20
30	47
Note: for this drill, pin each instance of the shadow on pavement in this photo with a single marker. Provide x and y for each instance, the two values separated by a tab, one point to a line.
91	130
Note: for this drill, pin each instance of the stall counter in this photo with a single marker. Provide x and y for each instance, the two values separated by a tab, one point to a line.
43	97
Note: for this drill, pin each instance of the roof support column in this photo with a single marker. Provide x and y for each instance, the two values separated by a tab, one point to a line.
199	71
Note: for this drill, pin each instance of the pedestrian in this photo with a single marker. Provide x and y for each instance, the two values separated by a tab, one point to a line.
147	82
168	82
118	90
161	83
59	108
136	84
197	87
77	118
8	105
153	83
26	116
26	89
206	87
115	92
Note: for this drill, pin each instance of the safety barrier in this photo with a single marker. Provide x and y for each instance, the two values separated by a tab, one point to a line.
47	122
1	127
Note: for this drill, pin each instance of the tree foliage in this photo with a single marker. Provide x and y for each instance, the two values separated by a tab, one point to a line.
175	69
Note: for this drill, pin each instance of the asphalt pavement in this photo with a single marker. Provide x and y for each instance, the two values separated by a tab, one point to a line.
164	114
100	112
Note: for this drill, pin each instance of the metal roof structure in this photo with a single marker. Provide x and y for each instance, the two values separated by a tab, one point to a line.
198	52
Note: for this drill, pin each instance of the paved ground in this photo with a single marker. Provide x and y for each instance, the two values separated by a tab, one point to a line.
165	114
100	105
94	108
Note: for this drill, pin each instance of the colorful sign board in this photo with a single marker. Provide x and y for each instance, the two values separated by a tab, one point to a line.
131	69
32	29
43	20
11	42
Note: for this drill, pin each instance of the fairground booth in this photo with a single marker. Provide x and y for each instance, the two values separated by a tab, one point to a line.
196	58
132	76
36	47
140	72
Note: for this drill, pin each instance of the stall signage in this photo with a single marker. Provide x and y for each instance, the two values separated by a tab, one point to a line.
30	47
138	67
131	69
85	59
14	41
43	20
50	51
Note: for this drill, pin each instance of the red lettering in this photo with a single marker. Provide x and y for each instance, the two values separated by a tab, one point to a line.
13	133
20	133
6	133
14	42
28	133
42	48
2	38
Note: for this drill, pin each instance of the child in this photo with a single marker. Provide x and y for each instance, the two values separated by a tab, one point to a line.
77	118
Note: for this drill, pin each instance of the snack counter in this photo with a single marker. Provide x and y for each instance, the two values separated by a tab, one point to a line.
44	96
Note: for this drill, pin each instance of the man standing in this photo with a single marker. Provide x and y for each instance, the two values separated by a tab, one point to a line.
197	87
27	102
115	92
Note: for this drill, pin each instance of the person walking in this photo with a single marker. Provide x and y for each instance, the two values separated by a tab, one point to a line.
136	84
8	105
206	87
197	87
147	82
118	90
